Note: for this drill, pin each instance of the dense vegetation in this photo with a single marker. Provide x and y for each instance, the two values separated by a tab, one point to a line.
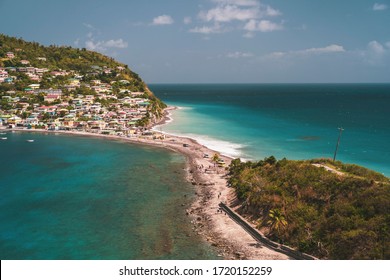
88	64
332	216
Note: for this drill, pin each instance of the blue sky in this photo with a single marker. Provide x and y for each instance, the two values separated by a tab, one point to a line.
218	41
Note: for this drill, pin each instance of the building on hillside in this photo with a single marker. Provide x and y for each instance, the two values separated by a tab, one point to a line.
3	75
9	80
30	69
51	97
34	86
10	55
14	120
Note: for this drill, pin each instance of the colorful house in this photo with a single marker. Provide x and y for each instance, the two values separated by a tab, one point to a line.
34	86
14	120
10	55
51	97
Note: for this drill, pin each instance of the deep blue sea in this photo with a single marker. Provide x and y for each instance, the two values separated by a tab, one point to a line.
297	121
71	197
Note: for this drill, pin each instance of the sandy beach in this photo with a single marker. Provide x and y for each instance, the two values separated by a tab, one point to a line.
210	182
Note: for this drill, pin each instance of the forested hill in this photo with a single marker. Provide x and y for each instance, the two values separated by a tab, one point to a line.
61	57
87	65
324	208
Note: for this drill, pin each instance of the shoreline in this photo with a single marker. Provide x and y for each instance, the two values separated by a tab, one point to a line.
210	183
210	142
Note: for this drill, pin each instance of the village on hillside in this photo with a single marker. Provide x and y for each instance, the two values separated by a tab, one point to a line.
99	100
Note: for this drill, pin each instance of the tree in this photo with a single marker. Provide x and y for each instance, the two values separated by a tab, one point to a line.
276	221
215	157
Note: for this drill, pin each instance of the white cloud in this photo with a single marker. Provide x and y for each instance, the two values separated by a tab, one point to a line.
311	51
239	55
329	49
207	29
375	53
237	2
246	15
163	20
240	10
229	13
88	25
104	45
376	47
93	44
120	44
262	26
277	54
272	12
90	45
187	20
379	7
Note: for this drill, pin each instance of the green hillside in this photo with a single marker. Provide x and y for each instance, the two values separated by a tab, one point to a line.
17	54
339	213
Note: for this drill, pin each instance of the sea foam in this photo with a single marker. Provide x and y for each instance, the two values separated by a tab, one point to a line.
226	148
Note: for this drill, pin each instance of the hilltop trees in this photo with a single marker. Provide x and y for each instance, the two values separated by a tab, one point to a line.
317	211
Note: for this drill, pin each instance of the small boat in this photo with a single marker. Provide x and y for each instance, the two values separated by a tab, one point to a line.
30	140
3	133
3	138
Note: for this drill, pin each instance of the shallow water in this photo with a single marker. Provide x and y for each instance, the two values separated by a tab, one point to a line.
71	197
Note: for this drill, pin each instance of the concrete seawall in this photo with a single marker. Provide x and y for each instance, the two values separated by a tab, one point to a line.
258	236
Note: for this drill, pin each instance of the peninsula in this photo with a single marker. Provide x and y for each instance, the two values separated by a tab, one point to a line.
319	207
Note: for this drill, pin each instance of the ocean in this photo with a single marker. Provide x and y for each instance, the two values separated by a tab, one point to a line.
82	198
72	197
296	121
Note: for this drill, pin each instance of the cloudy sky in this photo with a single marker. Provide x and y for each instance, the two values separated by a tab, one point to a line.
218	41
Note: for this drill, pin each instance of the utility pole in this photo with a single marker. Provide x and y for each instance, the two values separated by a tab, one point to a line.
338	142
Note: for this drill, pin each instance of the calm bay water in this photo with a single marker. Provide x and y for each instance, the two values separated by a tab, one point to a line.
69	197
297	121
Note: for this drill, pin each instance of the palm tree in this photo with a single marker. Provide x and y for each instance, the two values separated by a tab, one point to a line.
276	221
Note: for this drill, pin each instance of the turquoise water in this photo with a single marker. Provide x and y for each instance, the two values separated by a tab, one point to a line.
70	197
297	121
